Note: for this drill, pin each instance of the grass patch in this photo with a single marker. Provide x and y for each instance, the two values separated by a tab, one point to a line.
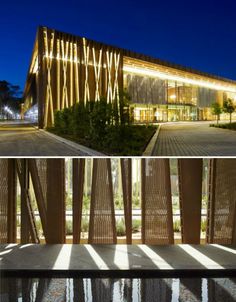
229	126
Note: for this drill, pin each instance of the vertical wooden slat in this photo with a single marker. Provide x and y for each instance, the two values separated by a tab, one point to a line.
11	219
38	194
78	190
143	199
24	181
126	175
211	202
56	200
190	191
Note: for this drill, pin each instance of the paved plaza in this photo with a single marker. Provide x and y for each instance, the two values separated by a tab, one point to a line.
22	139
194	139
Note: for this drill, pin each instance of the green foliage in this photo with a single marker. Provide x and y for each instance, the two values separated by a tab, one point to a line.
104	126
203	225
10	96
136	225
120	227
230	126
85	225
228	107
69	228
216	110
176	226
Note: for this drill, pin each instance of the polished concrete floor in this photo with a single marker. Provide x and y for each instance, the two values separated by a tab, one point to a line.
119	260
194	139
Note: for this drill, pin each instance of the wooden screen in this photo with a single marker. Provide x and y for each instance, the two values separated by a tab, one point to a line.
222	202
157	223
102	227
3	199
126	175
78	190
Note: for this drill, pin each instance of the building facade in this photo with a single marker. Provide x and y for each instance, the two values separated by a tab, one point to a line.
67	69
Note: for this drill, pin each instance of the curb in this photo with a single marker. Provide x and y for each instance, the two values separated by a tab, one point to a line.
87	151
152	143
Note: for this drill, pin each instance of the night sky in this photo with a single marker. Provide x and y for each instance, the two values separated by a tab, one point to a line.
199	34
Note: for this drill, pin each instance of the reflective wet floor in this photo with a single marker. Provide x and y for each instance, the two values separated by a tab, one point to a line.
118	290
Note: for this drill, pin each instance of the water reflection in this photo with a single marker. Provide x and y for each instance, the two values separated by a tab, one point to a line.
117	290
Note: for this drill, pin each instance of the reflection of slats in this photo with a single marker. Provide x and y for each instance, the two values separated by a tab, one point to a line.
190	197
78	190
102	214
157	223
153	290
222	202
23	174
126	174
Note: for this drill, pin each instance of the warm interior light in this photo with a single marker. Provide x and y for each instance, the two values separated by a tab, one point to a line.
173	97
164	76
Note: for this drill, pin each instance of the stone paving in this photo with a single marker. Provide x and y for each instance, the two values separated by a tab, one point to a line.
25	140
194	139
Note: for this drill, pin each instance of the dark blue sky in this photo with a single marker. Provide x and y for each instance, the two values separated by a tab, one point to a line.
198	34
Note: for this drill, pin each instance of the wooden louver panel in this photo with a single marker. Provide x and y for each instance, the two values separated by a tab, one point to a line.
221	226
102	227
157	223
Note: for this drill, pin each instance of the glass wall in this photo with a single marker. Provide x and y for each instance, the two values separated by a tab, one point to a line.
156	100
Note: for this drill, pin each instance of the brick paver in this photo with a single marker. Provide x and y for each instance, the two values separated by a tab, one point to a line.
195	139
24	140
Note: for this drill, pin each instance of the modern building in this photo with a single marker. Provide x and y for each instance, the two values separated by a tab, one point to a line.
47	254
66	69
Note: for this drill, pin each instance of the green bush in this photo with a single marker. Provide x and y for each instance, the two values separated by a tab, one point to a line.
230	126
85	225
176	226
136	226
120	227
203	225
69	228
103	126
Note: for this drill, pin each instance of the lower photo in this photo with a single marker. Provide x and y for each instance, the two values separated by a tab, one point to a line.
117	229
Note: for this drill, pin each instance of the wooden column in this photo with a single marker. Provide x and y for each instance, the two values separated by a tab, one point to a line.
126	175
38	191
56	200
24	182
11	211
190	192
78	190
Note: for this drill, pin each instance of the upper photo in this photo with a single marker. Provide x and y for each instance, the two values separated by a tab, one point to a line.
81	97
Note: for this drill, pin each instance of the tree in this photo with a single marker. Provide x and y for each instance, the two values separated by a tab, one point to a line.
216	110
228	107
9	96
124	104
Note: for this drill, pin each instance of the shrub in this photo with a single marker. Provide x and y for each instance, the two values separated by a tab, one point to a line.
203	225
85	225
136	226
69	228
120	227
176	226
